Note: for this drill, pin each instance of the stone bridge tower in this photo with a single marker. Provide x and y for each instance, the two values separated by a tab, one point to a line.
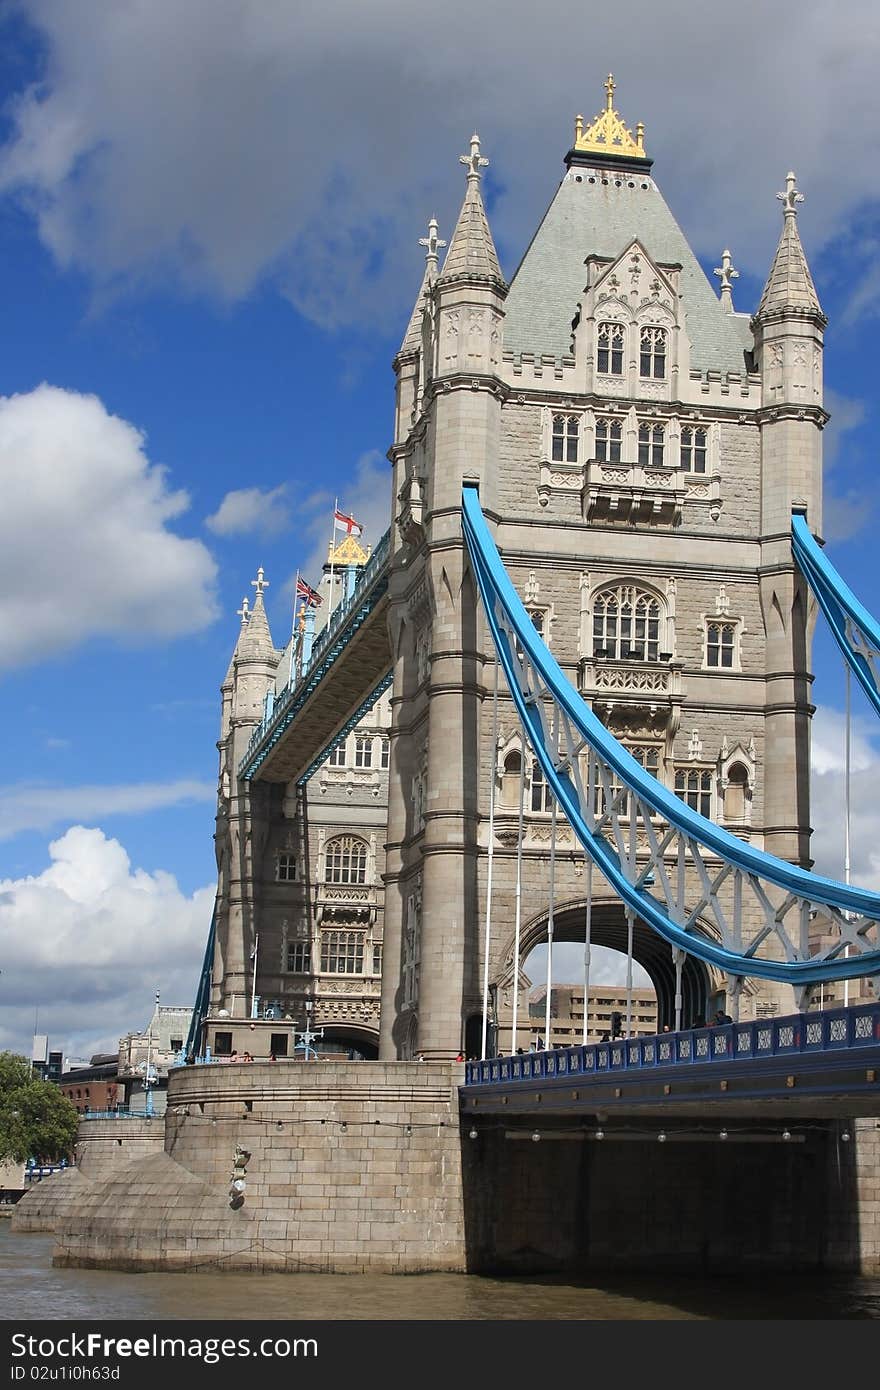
638	445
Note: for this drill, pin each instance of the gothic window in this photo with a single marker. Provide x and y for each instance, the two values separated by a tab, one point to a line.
342	952
647	755
542	796
610	356
385	753
693	449
363	752
539	617
721	646
299	958
693	786
565	438
652	439
377	958
510	781
337	757
609	437
345	860
736	792
285	866
627	624
652	353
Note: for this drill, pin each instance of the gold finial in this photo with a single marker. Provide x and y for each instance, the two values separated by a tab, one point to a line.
608	134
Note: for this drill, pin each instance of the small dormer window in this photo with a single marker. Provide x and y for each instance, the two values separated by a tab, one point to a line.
610	354
609	437
652	355
564	447
693	449
652	439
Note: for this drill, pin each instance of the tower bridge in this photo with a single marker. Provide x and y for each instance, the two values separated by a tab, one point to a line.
566	698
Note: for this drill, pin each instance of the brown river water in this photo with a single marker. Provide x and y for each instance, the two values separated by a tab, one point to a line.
31	1288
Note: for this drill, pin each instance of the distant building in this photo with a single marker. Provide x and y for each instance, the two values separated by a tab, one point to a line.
153	1050
94	1086
567	1013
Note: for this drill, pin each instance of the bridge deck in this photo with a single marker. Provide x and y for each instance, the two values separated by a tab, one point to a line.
823	1065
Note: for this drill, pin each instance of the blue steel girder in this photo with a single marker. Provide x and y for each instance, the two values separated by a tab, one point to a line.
855	631
607	795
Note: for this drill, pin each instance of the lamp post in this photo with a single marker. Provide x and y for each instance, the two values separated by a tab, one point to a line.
303	1040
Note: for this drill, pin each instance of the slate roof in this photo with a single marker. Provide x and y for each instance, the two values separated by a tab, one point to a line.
596	216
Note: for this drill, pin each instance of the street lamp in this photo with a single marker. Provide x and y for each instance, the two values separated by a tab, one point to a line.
304	1040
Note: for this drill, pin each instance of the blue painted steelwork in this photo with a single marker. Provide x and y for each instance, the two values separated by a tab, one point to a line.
349	617
830	1031
534	677
855	631
203	993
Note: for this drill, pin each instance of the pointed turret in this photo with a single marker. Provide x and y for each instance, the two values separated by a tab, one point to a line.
472	253
789	285
412	338
255	640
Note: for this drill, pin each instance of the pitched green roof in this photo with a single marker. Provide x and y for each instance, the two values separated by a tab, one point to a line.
600	213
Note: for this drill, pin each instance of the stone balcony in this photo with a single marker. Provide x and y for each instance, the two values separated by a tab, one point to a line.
629	492
345	903
651	690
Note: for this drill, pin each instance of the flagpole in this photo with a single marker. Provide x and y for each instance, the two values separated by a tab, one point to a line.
293	628
332	547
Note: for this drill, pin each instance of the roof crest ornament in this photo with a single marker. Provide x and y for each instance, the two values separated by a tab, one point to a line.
244	612
726	273
432	242
474	161
607	134
791	196
260	583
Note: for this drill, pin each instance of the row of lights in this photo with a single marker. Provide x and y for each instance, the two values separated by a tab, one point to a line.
662	1136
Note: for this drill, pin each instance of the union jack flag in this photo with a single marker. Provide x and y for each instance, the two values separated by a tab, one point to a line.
311	596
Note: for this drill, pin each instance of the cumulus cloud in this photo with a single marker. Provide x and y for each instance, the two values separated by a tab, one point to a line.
311	144
40	807
251	511
85	545
89	940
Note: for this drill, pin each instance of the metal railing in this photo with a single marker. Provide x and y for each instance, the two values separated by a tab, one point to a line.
832	1030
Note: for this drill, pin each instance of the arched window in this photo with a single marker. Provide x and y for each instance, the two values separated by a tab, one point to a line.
652	444
610	354
627	624
652	356
693	449
609	438
736	792
510	781
565	438
345	860
542	796
693	785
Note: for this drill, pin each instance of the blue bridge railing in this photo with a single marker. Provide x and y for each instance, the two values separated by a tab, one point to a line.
828	1031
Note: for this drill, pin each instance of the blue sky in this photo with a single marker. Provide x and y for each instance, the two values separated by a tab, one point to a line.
209	223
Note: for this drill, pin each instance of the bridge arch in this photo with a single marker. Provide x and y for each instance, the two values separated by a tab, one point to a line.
702	985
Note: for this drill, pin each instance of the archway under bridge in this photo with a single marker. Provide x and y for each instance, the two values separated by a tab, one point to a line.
702	988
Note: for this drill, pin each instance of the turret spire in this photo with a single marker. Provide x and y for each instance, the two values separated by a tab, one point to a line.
472	253
727	275
255	639
789	285
412	338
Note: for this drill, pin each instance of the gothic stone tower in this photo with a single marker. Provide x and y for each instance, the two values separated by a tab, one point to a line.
638	446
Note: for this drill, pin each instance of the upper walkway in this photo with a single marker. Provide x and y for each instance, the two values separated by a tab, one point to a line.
349	668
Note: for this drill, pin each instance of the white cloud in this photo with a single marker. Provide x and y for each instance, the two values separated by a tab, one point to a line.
85	546
88	942
828	798
251	511
36	807
310	144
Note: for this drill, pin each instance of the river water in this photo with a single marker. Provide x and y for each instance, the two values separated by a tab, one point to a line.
31	1288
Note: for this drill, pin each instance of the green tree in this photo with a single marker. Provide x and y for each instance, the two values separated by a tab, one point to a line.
36	1120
